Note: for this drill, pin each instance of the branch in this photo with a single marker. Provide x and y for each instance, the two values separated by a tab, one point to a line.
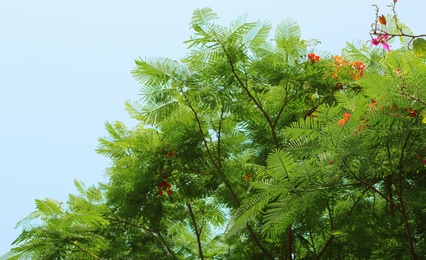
257	243
325	246
372	187
218	138
86	251
256	102
332	236
401	199
197	234
152	232
287	100
412	97
201	132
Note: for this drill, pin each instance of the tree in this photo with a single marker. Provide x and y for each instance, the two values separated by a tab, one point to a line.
251	147
52	232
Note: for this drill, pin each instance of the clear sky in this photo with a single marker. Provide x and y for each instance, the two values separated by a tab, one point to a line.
65	70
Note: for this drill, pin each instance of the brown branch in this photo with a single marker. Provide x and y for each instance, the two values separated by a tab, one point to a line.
374	32
289	231
287	100
275	140
258	105
86	251
257	243
388	182
201	133
372	187
401	199
330	216
332	236
218	138
326	246
226	182
256	102
312	240
412	97
152	232
412	188
197	233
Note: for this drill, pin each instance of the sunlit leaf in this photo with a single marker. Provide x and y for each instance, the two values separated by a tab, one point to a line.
419	47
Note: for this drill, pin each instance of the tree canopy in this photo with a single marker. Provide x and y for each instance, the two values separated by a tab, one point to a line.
255	146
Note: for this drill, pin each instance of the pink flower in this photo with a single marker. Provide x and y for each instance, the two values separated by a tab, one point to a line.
381	39
424	161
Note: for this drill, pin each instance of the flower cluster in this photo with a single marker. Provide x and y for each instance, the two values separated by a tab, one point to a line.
345	119
411	112
313	58
164	187
171	153
381	39
341	67
359	67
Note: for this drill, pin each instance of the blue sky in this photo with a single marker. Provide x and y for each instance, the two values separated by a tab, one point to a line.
65	70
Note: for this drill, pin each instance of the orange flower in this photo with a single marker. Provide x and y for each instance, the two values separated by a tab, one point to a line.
382	20
358	65
337	60
345	119
342	122
346	116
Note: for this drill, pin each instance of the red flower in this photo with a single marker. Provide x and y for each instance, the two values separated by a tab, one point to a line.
313	58
165	184
169	192
413	113
160	193
424	161
171	153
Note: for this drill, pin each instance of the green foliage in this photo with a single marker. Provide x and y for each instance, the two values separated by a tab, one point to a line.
52	232
419	47
254	147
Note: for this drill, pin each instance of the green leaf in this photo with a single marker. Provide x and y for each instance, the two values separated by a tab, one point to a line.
203	16
288	29
419	47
